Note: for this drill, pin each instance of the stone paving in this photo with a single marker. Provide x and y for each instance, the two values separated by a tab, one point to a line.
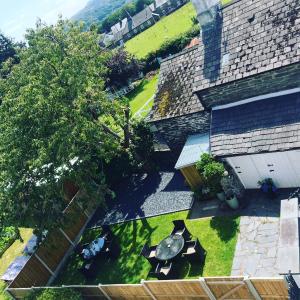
256	252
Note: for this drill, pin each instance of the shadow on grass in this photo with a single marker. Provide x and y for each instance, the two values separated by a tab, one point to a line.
140	88
226	227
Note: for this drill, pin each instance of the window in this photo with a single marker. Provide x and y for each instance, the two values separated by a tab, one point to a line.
142	26
135	31
149	22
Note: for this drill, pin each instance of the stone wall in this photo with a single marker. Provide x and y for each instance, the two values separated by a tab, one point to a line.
176	130
269	82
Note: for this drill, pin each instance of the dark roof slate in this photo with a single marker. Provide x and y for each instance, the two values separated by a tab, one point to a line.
257	36
174	95
253	36
268	125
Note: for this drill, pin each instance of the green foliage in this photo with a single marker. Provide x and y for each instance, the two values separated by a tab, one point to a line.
54	110
142	145
170	46
212	172
205	159
217	235
55	294
96	11
7	237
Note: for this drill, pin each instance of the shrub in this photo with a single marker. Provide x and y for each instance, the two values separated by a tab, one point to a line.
170	46
212	172
7	236
55	294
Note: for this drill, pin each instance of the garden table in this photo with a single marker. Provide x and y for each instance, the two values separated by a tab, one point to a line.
93	248
169	247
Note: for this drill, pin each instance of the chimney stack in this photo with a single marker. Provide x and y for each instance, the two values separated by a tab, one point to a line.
207	11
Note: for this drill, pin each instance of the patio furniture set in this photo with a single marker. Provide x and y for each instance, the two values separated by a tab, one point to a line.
165	256
103	247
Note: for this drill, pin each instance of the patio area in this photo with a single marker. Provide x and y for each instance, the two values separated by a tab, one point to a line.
146	195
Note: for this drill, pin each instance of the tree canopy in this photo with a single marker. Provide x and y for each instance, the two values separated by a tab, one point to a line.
56	124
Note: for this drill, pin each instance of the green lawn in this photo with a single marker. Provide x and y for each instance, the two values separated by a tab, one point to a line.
217	235
10	254
141	94
168	27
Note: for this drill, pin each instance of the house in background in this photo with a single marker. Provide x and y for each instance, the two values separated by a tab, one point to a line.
241	87
165	7
131	26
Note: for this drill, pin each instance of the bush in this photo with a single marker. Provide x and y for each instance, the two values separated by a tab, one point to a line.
171	46
55	294
212	172
7	236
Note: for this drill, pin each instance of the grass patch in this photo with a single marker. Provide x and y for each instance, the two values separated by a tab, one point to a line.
10	254
168	27
217	235
142	93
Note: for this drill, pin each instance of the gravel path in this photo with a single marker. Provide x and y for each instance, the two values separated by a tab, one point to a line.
146	196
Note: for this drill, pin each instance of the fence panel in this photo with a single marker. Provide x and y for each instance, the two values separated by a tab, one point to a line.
19	293
229	288
53	249
33	274
176	289
270	288
90	292
126	291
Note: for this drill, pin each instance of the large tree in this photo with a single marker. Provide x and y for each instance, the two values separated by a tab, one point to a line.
56	124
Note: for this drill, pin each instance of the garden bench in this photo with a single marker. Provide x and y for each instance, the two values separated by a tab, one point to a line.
288	252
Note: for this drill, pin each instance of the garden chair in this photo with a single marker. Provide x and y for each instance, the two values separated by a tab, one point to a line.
107	233
149	254
194	252
164	271
180	228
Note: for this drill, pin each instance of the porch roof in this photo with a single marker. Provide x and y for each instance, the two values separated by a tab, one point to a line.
195	145
268	125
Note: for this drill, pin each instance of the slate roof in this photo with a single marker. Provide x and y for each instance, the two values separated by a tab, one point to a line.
268	125
257	36
253	36
175	95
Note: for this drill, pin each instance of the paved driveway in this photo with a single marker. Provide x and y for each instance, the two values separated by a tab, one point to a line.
147	195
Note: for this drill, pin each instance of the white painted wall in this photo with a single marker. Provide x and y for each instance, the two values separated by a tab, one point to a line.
282	167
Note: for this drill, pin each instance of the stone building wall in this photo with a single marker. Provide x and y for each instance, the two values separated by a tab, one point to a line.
276	80
176	130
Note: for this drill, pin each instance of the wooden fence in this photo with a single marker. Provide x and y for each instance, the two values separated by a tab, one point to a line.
43	266
209	288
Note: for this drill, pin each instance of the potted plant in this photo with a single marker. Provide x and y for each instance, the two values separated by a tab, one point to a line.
231	190
212	172
268	187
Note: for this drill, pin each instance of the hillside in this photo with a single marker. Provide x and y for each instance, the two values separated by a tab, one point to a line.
98	10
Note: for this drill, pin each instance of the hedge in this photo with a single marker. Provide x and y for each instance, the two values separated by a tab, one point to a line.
169	47
7	237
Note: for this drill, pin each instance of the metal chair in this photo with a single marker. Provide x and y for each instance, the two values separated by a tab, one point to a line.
164	271
149	254
180	228
194	252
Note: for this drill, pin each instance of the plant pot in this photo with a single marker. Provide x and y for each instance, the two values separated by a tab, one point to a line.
233	202
221	196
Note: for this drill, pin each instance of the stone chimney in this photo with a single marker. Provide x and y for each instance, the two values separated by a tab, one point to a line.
207	11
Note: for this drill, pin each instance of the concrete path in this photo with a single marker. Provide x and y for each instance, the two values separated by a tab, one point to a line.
256	252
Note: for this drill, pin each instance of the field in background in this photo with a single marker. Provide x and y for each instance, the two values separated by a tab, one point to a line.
168	27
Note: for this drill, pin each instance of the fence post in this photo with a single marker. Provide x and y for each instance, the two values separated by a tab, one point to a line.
43	263
206	288
103	292
147	289
251	288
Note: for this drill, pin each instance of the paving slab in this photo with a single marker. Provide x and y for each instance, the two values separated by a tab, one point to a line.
256	252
